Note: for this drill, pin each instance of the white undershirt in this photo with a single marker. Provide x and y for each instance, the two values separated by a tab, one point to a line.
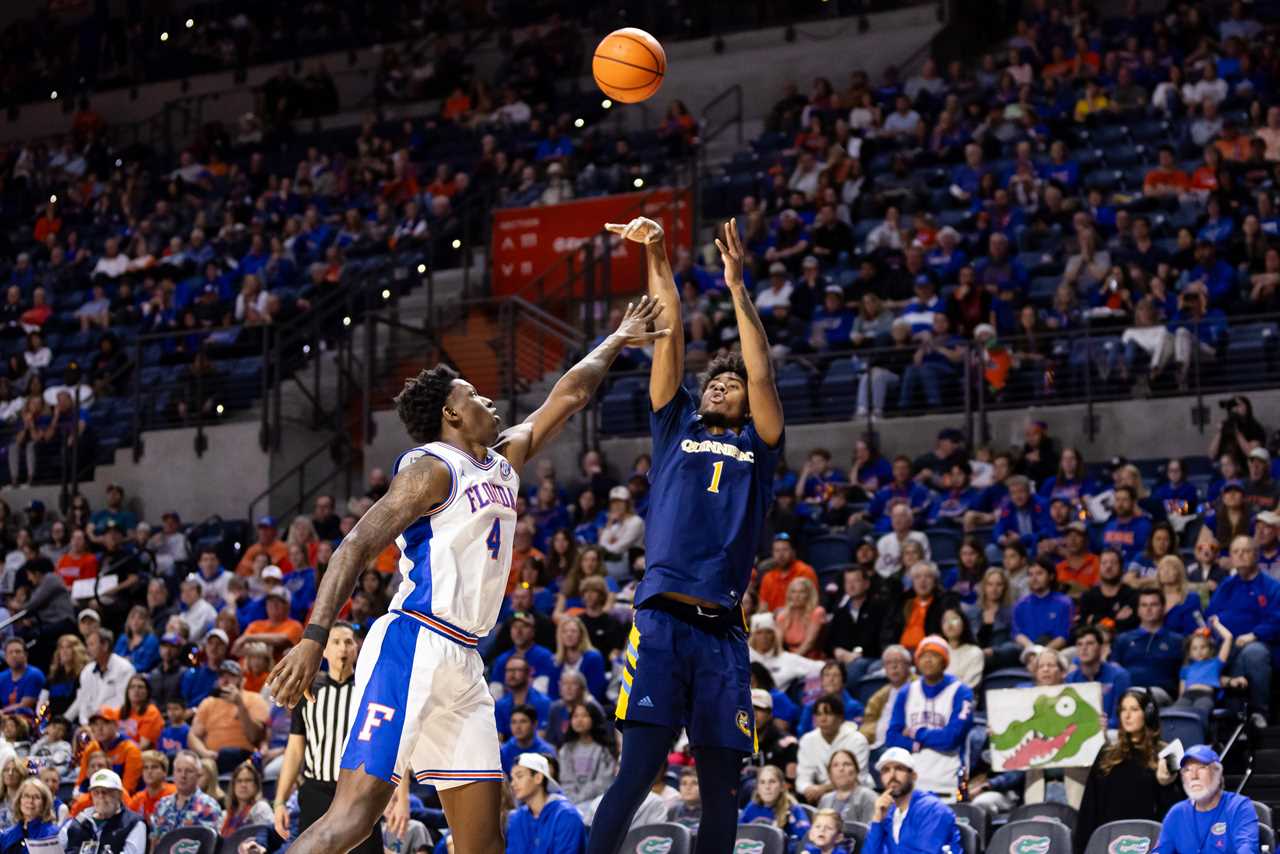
899	816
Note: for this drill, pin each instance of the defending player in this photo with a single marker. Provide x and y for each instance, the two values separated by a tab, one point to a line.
686	659
423	703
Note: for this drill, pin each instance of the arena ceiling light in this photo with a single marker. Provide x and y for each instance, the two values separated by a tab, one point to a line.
639	182
422	268
457	244
164	37
53	96
578	123
191	22
606	103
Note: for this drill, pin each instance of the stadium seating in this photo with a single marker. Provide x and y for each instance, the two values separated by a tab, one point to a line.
673	838
761	839
1105	837
1050	837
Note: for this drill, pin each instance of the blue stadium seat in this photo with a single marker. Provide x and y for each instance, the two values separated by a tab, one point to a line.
828	551
1052	837
1179	723
795	389
838	393
944	545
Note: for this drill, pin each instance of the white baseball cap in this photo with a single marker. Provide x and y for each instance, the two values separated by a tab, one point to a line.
761	699
763	620
537	762
896	756
89	614
272	571
106	779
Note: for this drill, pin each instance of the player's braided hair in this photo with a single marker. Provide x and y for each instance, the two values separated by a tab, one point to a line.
728	363
420	404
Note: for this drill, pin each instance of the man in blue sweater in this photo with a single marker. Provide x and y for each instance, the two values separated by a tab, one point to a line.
544	823
1151	653
1210	819
1092	667
1246	603
1022	519
1128	529
1042	616
906	820
932	717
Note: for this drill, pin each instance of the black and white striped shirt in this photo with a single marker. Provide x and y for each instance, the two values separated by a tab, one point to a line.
325	724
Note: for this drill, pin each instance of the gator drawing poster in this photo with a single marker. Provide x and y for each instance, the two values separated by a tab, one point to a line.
1060	726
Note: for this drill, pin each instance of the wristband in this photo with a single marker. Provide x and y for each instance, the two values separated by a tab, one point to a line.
319	634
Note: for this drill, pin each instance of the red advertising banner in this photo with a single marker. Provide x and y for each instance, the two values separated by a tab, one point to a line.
531	242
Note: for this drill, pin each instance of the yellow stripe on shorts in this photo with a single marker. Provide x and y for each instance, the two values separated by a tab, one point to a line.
628	673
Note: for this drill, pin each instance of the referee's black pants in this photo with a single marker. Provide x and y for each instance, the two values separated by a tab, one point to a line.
314	799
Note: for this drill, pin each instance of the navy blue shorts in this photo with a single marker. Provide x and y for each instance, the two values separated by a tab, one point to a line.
692	674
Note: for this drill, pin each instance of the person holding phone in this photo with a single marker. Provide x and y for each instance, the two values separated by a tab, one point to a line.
1128	779
231	723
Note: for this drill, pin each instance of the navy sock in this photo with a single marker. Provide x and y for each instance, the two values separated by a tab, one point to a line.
719	778
644	749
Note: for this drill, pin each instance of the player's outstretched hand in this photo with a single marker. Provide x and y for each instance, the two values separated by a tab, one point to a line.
731	253
635	323
641	230
291	679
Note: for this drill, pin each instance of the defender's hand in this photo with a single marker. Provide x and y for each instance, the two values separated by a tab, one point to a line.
635	323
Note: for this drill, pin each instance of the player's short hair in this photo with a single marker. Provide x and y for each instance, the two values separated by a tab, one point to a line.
421	402
729	363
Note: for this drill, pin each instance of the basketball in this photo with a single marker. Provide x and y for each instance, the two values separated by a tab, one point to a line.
629	65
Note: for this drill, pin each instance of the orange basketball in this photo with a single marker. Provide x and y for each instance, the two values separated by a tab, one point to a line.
629	65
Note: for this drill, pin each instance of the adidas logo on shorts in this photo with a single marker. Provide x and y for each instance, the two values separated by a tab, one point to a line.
645	702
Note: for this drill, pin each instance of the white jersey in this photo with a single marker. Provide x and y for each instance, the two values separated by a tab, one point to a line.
454	561
935	771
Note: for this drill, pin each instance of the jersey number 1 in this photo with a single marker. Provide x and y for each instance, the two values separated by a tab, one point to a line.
716	468
494	540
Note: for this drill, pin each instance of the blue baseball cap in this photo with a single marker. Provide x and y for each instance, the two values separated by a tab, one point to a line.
267	522
1233	484
1202	753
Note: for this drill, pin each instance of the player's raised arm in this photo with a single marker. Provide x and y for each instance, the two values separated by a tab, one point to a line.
762	392
414	491
668	353
574	390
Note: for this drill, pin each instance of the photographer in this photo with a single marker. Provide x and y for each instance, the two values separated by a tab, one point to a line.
1239	432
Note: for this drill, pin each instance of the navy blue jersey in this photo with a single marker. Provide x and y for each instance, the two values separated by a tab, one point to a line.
707	505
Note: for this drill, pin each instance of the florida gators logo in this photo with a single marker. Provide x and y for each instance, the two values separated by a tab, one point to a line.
504	469
748	846
654	845
1030	845
1129	845
743	723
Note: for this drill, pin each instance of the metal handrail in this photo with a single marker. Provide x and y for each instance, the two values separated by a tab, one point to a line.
735	92
298	471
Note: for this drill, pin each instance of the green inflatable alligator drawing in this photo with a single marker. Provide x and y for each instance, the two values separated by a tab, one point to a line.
1058	727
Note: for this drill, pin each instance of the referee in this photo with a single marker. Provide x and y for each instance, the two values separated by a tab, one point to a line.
316	738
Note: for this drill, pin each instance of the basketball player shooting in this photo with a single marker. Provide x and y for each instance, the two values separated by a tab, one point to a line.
423	703
686	664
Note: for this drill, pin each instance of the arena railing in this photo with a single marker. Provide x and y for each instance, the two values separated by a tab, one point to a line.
1086	366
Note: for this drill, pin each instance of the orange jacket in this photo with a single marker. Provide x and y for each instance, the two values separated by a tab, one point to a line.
126	760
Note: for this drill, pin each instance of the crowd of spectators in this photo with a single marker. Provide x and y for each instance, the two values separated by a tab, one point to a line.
67	51
137	657
1114	174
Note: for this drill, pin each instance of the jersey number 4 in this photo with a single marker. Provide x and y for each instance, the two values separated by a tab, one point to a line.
494	540
716	469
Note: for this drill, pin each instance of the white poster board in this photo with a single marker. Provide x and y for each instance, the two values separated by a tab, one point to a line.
1060	726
